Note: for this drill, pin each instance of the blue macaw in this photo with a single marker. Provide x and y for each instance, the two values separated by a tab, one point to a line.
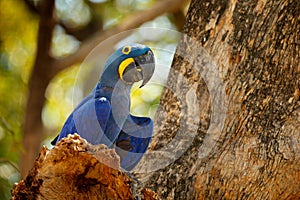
103	117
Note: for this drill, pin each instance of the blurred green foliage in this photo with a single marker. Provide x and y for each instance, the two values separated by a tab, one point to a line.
18	40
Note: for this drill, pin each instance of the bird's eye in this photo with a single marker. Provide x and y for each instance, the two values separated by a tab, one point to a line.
126	50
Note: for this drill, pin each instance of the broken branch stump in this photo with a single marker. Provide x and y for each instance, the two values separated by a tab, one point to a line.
75	169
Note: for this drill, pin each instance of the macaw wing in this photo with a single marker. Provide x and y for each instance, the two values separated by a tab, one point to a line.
133	140
69	126
89	120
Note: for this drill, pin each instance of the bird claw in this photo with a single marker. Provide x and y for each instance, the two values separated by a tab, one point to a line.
136	186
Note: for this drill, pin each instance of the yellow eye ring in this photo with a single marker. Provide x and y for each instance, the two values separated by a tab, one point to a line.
123	66
126	50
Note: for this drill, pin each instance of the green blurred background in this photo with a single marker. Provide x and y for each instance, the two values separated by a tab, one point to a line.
18	41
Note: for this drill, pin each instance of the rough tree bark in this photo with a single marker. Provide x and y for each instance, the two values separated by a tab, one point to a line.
255	153
46	66
75	169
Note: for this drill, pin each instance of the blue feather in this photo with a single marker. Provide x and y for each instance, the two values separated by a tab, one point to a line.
133	140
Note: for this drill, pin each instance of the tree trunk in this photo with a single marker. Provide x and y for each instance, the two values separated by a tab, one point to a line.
39	80
229	123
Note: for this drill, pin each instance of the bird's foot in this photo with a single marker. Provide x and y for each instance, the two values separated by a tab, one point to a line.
136	186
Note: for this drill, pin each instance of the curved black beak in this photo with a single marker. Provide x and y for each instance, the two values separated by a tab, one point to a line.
146	64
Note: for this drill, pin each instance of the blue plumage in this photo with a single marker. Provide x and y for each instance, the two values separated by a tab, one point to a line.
133	140
103	117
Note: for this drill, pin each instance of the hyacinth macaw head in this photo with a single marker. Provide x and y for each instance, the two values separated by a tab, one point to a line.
129	64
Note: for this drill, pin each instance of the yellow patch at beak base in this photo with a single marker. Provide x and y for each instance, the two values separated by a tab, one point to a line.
123	66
